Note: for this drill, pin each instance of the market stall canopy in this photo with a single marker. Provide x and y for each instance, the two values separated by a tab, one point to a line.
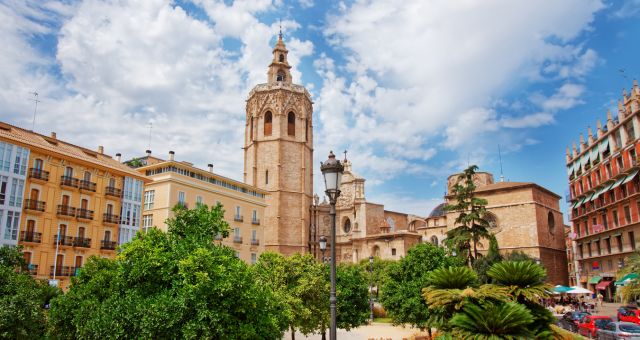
594	280
626	279
579	290
603	285
561	289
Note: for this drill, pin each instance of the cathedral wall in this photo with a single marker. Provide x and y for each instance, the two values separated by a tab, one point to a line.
375	218
291	166
400	221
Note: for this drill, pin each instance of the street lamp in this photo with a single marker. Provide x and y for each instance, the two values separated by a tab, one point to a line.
323	245
371	288
332	172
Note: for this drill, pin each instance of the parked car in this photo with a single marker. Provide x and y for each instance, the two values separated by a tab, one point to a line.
629	314
619	331
591	323
569	320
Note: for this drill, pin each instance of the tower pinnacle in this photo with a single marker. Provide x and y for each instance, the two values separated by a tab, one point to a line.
279	67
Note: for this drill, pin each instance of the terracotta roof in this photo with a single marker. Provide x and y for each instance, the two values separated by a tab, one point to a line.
513	185
32	140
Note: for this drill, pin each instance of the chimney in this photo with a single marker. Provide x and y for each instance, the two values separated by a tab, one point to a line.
171	155
53	135
148	152
210	167
100	149
118	156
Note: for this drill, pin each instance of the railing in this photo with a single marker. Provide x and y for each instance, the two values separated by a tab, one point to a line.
238	218
110	218
255	221
30	236
255	242
34	205
109	245
112	191
82	242
40	174
66	210
85	214
237	239
69	181
63	240
87	185
64	271
33	269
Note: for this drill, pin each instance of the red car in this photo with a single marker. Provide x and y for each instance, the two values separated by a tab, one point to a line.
590	324
629	314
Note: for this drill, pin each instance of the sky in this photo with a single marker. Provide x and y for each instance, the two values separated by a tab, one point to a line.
414	90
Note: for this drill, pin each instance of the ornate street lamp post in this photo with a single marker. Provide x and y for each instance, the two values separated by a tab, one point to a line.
371	288
332	172
323	246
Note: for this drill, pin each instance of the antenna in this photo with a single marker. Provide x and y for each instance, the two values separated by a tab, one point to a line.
500	156
150	127
35	109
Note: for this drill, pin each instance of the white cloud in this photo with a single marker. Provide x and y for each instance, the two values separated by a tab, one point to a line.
566	97
532	120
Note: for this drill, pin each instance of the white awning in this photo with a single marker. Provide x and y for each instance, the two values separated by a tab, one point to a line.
585	159
630	176
570	170
617	183
594	155
604	145
576	166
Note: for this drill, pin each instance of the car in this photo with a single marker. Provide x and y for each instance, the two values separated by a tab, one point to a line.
629	314
591	323
619	331
569	320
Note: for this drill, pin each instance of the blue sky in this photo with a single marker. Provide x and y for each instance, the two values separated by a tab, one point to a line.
415	90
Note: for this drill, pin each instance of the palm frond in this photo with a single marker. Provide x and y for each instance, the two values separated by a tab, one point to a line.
492	321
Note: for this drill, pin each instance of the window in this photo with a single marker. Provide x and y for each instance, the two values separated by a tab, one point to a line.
586	228
631	132
135	212
254	235
619	242
291	124
280	76
306	129
22	157
632	157
627	214
251	130
281	58
620	164
267	123
266	177
551	222
254	258
238	212
434	240
346	227
237	254
68	171
149	197
598	247
581	249
236	232
4	180
393	251
623	190
618	138
254	216
632	240
598	177
589	248
107	235
604	221
112	182
87	176
198	200
607	243
147	222
5	156
615	218
589	184
181	197
17	189
11	227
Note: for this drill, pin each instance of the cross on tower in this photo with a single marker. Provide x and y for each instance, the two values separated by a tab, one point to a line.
345	155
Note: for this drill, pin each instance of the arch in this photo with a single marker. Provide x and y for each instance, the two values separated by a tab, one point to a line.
434	240
281	58
346	226
551	222
375	251
291	124
281	76
268	123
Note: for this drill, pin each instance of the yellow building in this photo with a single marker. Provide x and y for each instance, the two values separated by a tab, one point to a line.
175	183
63	202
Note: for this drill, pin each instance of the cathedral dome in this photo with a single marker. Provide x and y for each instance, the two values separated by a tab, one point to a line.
438	210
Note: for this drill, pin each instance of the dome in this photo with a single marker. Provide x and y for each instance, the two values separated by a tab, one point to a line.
438	210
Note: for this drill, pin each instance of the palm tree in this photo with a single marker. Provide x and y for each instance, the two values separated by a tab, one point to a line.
493	321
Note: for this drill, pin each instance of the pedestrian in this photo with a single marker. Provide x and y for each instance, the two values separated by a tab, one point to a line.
600	298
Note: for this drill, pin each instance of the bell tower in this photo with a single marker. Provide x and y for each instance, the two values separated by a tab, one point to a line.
278	154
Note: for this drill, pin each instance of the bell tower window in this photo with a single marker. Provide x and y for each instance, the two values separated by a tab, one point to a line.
267	123
291	124
280	76
281	58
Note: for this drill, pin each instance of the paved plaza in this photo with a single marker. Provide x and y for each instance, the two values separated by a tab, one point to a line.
377	331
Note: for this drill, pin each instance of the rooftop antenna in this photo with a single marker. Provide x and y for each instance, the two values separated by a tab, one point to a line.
150	127
35	109
500	156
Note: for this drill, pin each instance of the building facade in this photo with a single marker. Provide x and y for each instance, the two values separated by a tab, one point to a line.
278	154
13	174
174	183
604	186
69	200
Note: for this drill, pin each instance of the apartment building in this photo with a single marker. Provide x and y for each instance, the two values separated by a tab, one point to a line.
605	196
174	182
63	202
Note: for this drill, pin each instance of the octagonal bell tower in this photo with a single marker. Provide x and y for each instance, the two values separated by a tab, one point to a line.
278	154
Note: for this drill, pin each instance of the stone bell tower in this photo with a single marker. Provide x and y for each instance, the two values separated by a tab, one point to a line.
278	154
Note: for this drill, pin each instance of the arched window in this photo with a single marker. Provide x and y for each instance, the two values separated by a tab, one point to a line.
280	76
347	226
434	240
376	251
551	222
291	124
281	58
267	123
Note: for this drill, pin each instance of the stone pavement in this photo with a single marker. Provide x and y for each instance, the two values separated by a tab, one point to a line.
377	331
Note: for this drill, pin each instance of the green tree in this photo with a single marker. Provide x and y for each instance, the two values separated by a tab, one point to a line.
489	321
472	227
352	292
177	284
379	270
481	265
401	293
22	299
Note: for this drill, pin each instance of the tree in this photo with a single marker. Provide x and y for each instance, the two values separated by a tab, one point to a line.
22	299
352	292
401	293
481	265
379	270
472	227
493	321
177	284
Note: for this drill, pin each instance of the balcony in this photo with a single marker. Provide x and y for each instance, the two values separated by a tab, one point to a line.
65	210
30	236
69	181
84	214
38	174
35	205
108	245
87	186
255	242
112	191
82	242
110	218
255	221
33	269
63	240
238	218
237	239
62	271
